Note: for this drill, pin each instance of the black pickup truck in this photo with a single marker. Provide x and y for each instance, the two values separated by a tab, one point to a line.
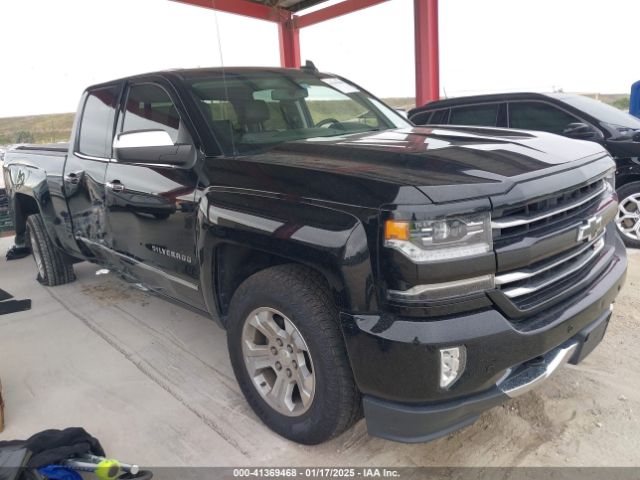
361	265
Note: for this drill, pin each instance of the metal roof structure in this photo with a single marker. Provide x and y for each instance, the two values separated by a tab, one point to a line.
291	17
291	5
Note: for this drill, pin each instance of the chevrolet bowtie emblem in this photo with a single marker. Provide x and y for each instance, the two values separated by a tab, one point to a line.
590	228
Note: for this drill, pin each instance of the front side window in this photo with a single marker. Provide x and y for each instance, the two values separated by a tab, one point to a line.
149	107
601	111
257	110
539	116
476	115
96	125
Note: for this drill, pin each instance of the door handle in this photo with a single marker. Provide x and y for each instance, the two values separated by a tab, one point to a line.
116	186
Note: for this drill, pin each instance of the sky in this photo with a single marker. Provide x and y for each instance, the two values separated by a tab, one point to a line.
53	49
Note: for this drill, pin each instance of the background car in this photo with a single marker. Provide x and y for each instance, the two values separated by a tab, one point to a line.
571	115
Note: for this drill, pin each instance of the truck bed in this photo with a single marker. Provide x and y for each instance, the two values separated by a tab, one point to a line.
45	148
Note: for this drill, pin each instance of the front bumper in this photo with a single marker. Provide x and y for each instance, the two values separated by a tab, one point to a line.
396	364
405	423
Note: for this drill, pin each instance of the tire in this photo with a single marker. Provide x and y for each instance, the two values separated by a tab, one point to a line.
628	218
53	266
298	300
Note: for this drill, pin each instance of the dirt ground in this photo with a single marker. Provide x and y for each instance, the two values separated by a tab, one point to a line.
153	382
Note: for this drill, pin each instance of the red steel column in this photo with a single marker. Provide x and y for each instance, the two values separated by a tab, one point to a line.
427	56
289	37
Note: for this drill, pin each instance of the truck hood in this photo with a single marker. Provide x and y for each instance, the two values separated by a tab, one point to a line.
445	164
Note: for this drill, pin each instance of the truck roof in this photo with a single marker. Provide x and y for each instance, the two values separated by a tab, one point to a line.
188	73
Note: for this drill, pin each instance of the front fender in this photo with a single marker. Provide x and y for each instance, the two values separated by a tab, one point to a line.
243	233
627	170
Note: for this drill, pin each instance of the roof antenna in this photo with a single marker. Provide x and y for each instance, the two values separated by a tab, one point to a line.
224	78
309	66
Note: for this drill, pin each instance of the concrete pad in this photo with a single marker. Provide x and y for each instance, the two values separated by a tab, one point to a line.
153	382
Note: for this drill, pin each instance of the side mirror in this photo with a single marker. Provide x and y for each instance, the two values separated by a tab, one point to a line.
151	146
581	131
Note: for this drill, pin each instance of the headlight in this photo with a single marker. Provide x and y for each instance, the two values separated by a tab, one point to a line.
454	237
426	241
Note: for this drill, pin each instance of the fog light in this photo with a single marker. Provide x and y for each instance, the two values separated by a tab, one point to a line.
452	363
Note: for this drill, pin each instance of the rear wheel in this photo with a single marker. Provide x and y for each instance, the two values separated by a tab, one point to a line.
289	357
53	266
628	218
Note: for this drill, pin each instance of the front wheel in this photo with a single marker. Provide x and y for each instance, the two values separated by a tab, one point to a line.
628	218
289	357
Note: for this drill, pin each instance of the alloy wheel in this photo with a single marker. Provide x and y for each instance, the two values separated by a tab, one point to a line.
628	218
278	361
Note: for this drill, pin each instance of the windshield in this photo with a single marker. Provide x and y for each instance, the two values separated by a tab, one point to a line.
252	111
602	111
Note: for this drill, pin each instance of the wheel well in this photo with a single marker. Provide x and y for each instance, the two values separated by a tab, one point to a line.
234	264
24	206
627	177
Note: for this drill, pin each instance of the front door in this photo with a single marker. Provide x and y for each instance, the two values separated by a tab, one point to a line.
151	207
85	170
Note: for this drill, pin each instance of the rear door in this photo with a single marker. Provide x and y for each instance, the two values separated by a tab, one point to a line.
86	165
151	211
480	115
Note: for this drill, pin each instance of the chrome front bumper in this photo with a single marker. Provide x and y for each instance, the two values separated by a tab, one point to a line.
535	372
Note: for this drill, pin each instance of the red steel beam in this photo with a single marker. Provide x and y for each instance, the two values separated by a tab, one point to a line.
426	33
427	56
289	38
242	7
337	10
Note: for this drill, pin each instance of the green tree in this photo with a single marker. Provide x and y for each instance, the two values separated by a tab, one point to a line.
24	136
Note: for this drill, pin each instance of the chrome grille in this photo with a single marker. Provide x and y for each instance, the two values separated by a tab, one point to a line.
540	284
551	212
543	278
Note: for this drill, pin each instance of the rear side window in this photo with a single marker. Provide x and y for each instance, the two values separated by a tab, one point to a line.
96	125
149	107
539	116
477	115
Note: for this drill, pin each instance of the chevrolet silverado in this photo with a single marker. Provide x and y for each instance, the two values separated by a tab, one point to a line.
360	265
